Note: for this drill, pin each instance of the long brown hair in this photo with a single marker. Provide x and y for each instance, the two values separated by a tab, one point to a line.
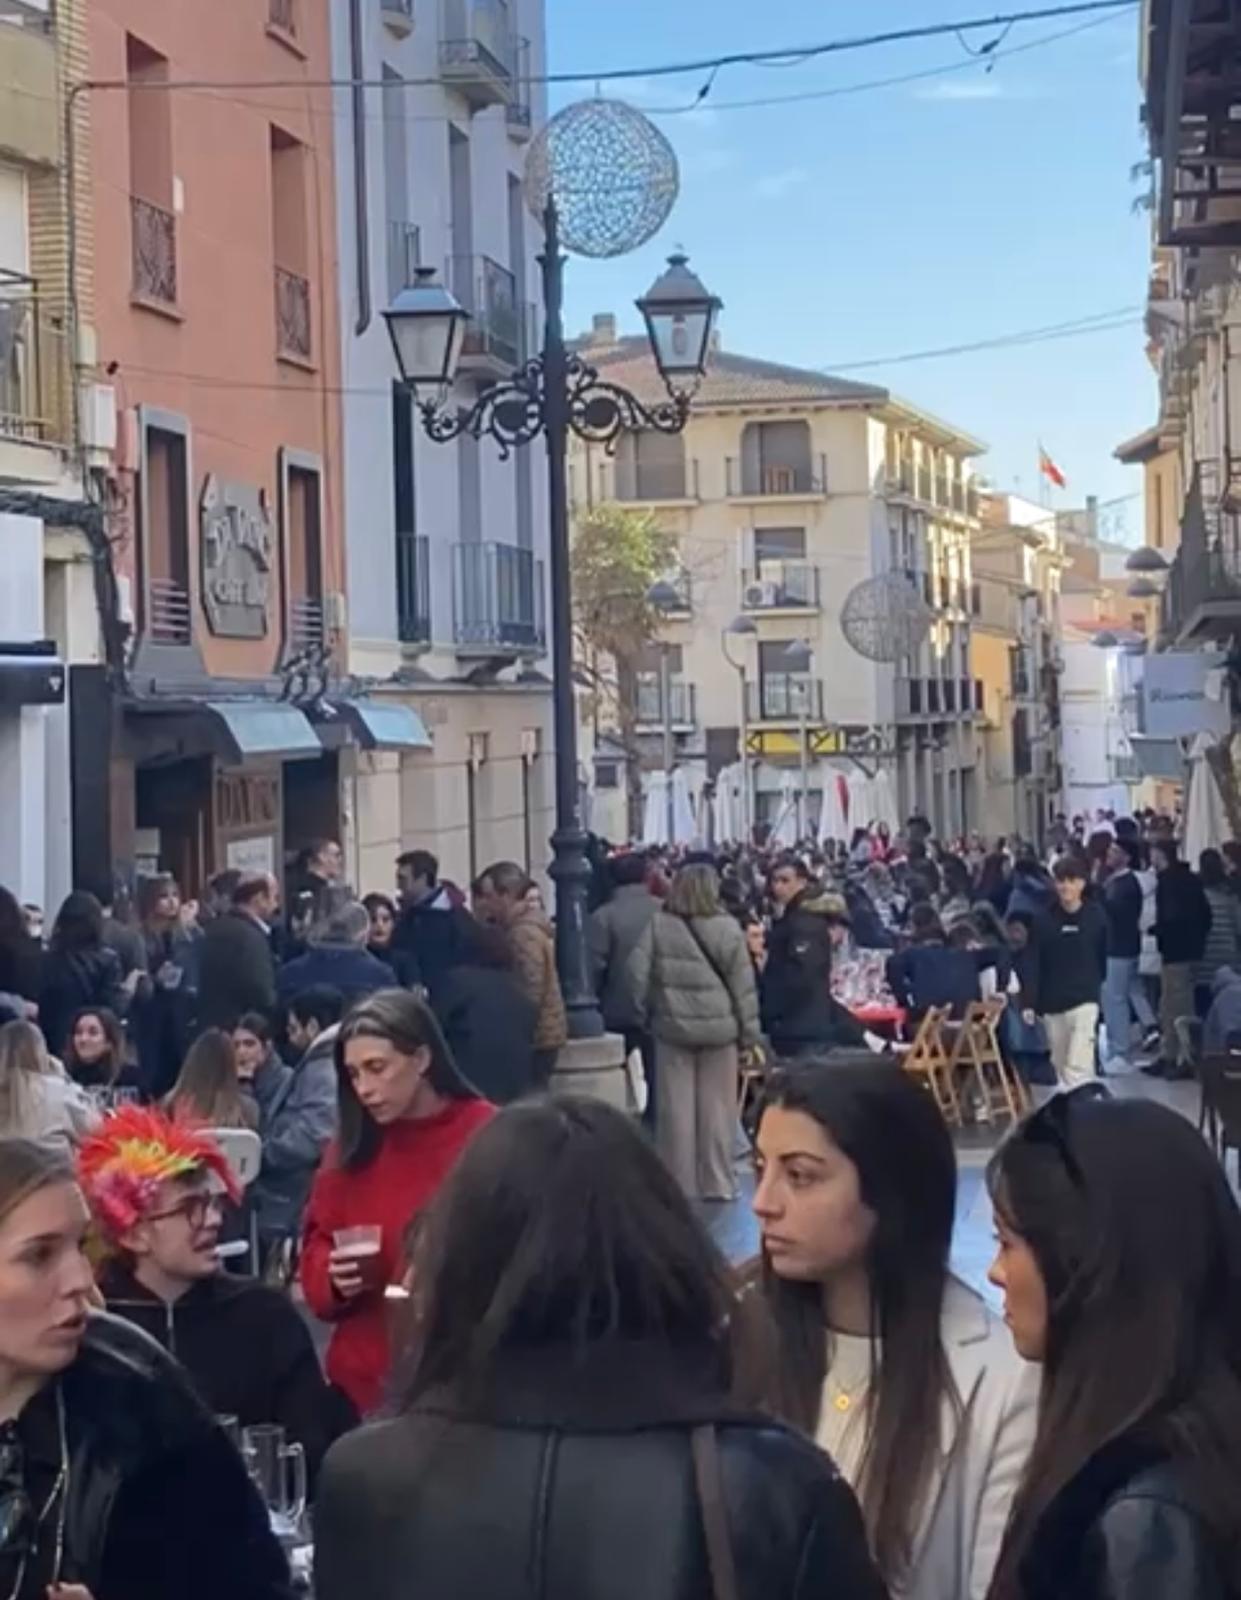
23	1057
25	1169
207	1090
1137	1237
891	1132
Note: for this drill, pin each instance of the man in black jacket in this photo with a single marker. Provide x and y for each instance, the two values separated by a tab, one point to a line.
799	1014
1068	968
430	926
244	1346
236	971
1182	923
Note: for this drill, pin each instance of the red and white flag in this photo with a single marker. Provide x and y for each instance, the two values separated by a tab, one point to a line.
1050	470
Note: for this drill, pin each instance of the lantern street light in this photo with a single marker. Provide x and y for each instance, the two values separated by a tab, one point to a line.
662	597
554	394
799	659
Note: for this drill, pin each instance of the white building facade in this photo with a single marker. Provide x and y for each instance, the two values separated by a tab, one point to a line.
446	545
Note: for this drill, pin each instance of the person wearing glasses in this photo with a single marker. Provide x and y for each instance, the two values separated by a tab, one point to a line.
893	1365
157	1190
1120	1262
115	1483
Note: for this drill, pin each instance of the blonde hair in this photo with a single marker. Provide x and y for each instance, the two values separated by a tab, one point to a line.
695	892
207	1090
23	1056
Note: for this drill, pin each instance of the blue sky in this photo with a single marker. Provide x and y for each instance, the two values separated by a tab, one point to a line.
962	207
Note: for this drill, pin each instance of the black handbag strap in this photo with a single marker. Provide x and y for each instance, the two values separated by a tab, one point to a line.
710	1481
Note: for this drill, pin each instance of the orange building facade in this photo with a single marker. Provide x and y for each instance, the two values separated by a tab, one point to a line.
215	322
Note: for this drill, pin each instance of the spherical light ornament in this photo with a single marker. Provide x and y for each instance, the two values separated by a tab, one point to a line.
612	173
885	618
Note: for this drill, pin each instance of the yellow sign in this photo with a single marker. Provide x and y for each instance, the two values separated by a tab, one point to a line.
781	742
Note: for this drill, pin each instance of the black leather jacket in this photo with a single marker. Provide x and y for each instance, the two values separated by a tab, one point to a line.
159	1503
574	1481
1126	1528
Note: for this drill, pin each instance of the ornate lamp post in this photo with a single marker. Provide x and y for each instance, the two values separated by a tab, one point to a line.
742	627
550	396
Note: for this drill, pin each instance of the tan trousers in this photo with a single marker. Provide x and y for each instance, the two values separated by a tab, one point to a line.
1070	1034
696	1117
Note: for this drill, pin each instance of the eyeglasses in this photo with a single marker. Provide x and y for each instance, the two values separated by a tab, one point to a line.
196	1209
1050	1124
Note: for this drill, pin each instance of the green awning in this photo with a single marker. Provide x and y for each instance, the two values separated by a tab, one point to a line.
265	728
384	725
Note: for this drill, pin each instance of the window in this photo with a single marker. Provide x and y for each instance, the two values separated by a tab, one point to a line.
164	531
651	466
404	245
290	247
302	536
651	658
776	459
779	544
152	223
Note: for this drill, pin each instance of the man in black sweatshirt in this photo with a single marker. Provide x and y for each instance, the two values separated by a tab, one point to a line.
1069	965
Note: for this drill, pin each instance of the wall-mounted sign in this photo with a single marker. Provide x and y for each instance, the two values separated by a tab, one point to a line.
1184	693
236	541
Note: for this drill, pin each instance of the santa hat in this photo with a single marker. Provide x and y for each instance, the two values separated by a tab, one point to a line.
135	1150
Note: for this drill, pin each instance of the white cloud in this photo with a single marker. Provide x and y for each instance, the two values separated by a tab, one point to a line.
963	89
776	184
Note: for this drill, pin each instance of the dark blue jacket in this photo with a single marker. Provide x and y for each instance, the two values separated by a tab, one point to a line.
349	968
936	975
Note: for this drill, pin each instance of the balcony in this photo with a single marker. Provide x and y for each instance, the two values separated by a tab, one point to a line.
655	482
767	480
398	15
22	412
493	336
306	629
498	597
785	697
939	698
520	112
780	586
478	51
154	253
404	256
413	588
293	334
1202	600
168	612
650	711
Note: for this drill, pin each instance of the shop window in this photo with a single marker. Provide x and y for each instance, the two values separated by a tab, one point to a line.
302	538
164	530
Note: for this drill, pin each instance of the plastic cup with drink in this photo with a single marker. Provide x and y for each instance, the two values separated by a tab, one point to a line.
356	1257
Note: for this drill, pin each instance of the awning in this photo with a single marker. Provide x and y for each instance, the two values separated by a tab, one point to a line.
234	731
36	679
373	725
1158	758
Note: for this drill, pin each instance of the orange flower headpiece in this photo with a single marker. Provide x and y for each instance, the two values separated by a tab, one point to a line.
136	1149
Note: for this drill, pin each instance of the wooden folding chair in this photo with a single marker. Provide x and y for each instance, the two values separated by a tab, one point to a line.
927	1058
976	1054
1220	1075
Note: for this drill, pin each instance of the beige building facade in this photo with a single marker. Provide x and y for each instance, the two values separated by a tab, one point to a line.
788	490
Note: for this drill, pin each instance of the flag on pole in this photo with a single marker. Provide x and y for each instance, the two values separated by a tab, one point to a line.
1050	470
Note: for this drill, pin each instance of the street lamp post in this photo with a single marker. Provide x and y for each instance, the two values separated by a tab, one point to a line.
552	395
799	657
742	627
664	598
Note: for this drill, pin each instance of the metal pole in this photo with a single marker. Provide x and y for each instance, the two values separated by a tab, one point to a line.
803	810
665	705
747	826
570	869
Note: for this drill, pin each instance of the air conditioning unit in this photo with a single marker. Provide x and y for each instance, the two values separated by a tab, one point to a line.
762	594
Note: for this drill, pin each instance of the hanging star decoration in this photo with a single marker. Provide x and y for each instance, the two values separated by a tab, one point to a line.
122	1166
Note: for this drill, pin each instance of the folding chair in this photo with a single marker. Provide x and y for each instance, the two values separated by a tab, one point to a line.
1221	1103
927	1058
977	1052
243	1150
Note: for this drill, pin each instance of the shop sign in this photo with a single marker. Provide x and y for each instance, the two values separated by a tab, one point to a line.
1184	692
255	856
236	541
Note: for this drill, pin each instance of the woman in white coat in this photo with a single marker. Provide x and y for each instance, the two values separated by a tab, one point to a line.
896	1367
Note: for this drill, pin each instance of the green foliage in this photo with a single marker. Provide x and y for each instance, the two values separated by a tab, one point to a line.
617	555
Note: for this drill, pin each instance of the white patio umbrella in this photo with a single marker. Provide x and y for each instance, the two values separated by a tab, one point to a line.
654	809
784	832
886	809
725	808
861	799
1206	817
684	820
832	824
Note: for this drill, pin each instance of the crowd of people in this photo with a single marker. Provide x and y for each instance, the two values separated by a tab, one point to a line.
521	1293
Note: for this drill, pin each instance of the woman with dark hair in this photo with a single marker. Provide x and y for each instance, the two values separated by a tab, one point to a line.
406	1113
994	882
21	959
1127	1294
381	909
931	972
96	1054
164	1002
487	1016
79	970
566	1427
115	1482
208	1092
895	1366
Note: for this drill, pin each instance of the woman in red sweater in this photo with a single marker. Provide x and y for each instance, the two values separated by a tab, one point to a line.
406	1113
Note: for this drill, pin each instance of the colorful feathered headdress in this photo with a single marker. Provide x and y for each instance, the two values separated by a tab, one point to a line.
122	1165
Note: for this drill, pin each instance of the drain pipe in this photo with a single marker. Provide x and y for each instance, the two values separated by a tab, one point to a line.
361	198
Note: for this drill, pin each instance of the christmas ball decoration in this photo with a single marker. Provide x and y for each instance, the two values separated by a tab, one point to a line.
612	173
885	618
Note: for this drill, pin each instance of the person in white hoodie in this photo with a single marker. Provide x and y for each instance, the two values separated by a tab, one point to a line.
38	1101
896	1367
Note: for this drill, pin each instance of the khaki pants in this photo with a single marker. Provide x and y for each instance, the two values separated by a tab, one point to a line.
1070	1035
696	1117
1176	999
